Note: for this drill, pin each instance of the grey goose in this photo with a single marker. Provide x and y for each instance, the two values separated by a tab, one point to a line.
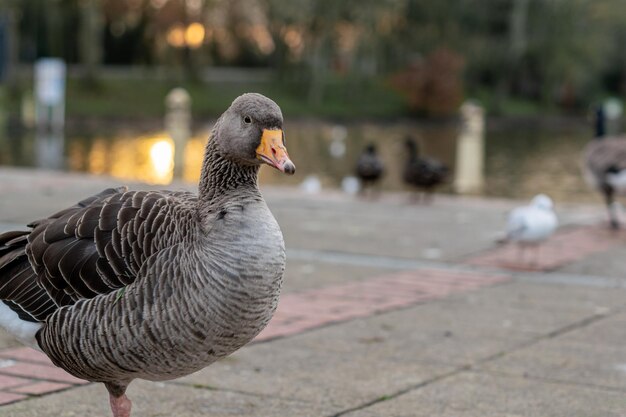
155	285
604	165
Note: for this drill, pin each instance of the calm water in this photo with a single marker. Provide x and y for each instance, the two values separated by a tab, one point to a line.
520	161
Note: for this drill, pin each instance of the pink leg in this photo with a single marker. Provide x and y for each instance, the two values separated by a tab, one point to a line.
120	406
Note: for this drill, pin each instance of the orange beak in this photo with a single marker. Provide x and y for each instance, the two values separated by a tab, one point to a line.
273	152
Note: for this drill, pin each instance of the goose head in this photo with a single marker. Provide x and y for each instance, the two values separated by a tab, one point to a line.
542	201
250	132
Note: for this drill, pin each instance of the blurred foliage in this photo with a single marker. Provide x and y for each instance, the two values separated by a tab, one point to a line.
546	53
432	86
130	99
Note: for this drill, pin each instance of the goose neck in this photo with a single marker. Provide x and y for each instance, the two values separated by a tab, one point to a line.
222	179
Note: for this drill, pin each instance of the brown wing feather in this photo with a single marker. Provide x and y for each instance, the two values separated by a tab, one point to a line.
92	248
19	289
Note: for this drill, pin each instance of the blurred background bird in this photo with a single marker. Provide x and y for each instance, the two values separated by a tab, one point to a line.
604	160
369	169
423	173
530	225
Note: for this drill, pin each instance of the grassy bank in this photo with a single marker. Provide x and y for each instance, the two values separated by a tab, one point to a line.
345	99
116	98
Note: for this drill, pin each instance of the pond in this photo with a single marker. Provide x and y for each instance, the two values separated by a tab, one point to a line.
521	159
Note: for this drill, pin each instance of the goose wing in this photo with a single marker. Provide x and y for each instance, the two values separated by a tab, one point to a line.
91	248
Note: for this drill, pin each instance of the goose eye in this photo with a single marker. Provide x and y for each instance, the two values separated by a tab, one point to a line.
247	120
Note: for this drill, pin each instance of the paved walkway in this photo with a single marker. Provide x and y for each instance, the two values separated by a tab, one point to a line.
389	309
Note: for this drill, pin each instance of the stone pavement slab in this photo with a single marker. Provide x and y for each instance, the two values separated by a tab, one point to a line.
465	328
307	275
610	263
321	372
451	228
593	355
471	394
383	229
305	310
152	399
362	360
401	349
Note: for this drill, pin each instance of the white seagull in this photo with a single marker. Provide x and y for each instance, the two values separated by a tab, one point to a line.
533	224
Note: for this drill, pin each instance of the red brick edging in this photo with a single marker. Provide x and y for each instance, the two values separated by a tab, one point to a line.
306	310
564	247
26	372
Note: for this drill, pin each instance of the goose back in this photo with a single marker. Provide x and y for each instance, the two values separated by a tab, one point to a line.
604	162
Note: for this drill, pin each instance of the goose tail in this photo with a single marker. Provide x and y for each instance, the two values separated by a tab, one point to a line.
23	303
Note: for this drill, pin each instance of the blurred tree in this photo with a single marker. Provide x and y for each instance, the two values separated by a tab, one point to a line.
9	42
433	86
564	52
567	47
90	37
333	36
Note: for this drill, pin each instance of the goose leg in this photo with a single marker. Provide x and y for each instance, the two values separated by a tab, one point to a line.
609	193
120	404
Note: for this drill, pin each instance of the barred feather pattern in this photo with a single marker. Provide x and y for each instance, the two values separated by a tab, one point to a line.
156	285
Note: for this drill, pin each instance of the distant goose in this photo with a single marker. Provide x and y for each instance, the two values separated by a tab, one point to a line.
422	172
605	165
533	224
369	167
155	285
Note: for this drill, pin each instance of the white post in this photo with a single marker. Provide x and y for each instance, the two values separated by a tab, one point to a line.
50	94
469	172
178	125
613	115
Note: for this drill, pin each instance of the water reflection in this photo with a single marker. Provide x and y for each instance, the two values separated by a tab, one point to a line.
143	158
519	162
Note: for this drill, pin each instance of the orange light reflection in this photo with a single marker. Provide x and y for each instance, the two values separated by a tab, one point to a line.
146	158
